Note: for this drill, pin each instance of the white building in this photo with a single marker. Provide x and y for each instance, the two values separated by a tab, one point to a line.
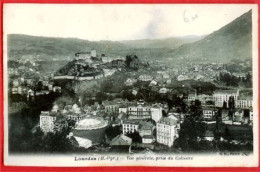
93	53
145	78
221	96
139	112
163	90
148	139
130	126
122	109
130	82
251	116
106	59
244	102
47	121
192	96
167	130
208	113
156	113
182	77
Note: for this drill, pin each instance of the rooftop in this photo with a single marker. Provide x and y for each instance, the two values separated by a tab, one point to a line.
171	120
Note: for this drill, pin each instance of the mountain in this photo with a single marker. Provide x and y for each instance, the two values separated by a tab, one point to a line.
59	48
233	41
25	46
171	43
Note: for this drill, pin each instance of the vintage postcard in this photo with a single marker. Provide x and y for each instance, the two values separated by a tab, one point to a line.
131	85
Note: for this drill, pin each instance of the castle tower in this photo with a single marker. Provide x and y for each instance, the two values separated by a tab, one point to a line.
93	53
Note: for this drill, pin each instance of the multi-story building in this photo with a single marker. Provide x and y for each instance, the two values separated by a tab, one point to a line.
167	130
192	96
139	112
208	113
221	96
111	107
47	121
130	126
50	122
156	112
146	128
244	102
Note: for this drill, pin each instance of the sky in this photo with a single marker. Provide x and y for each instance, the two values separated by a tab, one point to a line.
118	22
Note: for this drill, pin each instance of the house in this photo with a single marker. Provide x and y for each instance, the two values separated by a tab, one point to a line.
21	90
106	59
192	96
182	78
119	120
50	122
221	96
121	140
45	83
244	102
163	90
156	112
204	98
168	81
15	83
251	115
14	90
111	106
209	136
30	94
56	89
148	139
50	87
146	128
238	116
122	109
130	82
139	112
208	113
130	126
153	83
165	75
225	115
145	78
167	130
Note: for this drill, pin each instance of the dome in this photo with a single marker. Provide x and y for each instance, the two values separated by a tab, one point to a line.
91	123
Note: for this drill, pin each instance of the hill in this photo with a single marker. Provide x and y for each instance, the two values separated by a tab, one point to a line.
233	41
46	48
171	43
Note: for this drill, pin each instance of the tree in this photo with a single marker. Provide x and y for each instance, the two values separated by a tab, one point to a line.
224	105
231	102
188	135
135	136
227	134
112	132
164	114
196	109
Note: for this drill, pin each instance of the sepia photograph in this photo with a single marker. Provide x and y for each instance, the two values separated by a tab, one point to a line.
131	85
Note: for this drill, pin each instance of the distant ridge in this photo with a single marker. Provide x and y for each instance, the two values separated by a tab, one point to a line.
60	48
233	41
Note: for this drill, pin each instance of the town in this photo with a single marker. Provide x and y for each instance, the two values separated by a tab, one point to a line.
99	103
